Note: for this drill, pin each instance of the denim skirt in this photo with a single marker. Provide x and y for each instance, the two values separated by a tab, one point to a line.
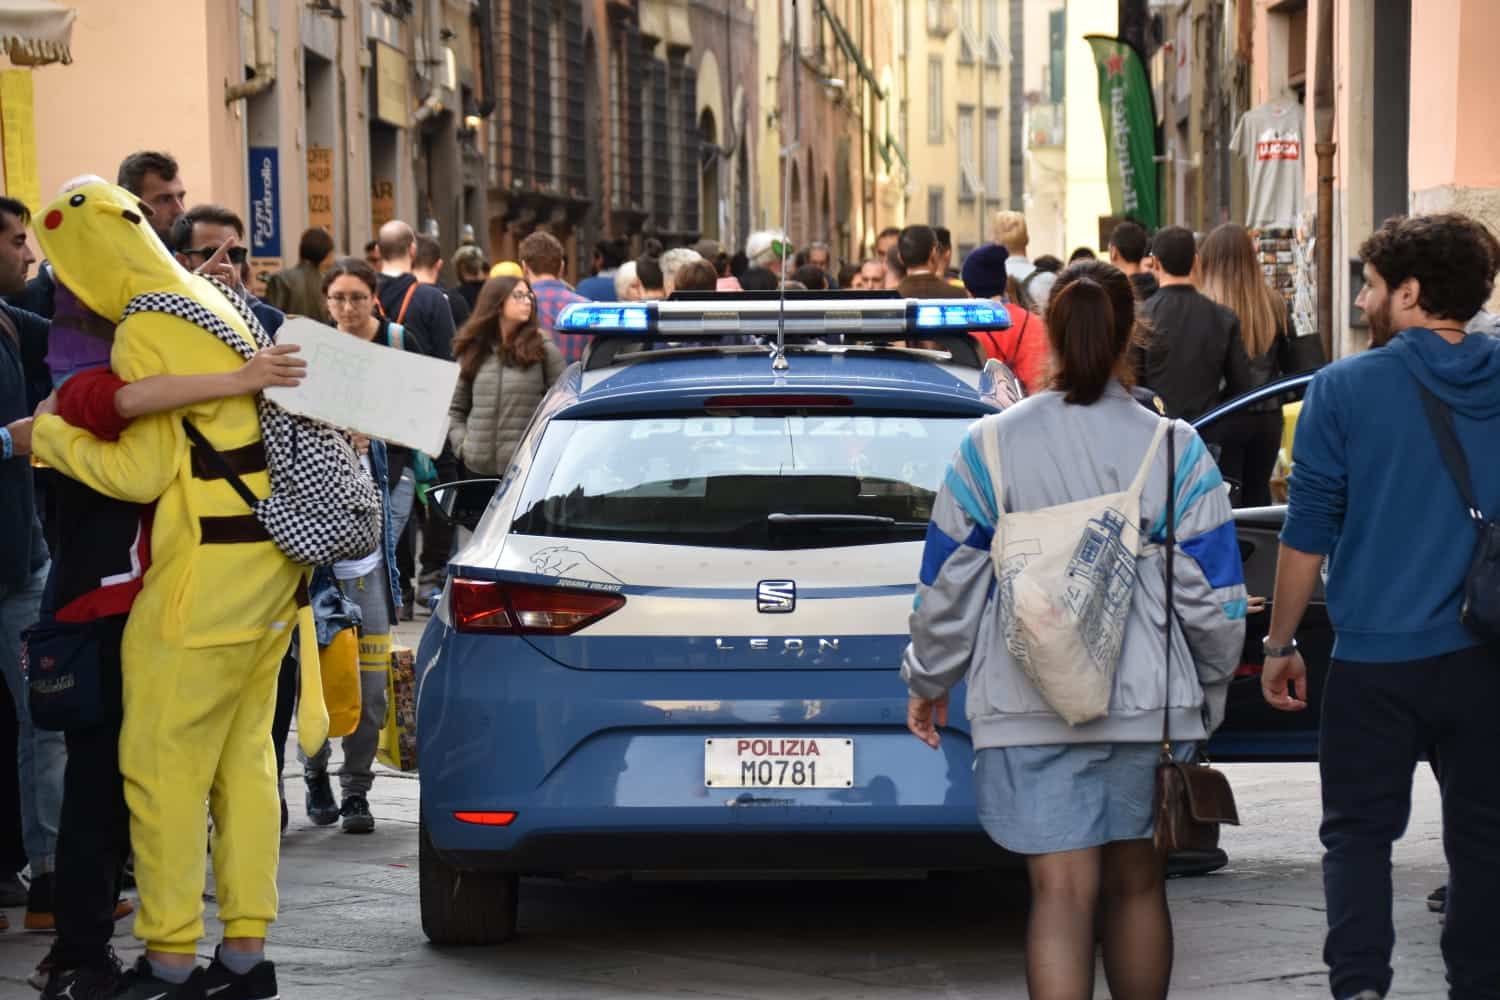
1067	797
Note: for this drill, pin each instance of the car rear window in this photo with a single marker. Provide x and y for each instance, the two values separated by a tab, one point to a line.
757	482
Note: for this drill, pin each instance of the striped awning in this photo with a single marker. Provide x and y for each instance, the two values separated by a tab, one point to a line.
36	32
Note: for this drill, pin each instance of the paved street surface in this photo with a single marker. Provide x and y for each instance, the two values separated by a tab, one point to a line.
349	926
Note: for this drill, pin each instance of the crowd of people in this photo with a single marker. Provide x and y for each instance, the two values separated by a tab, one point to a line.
1188	317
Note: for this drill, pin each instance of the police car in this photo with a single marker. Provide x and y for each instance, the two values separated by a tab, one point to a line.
673	639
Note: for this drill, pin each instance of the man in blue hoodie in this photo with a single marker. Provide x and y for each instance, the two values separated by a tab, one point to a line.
1371	494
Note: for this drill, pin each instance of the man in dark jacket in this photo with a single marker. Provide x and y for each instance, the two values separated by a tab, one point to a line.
403	299
298	291
922	256
1127	251
1373	496
40	756
1194	356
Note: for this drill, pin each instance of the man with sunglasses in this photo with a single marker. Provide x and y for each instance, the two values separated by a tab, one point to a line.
198	234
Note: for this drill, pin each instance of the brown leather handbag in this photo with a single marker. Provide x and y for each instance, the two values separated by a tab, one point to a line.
1192	799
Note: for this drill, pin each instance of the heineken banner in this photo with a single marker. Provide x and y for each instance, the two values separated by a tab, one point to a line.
1129	129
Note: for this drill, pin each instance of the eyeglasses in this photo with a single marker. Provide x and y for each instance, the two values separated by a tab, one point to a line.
342	301
237	255
521	295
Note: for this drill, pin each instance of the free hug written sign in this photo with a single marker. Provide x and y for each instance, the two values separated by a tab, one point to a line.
392	395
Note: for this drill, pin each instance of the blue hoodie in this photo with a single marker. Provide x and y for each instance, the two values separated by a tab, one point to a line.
1370	490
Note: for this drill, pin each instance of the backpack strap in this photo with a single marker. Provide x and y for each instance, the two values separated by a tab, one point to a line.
193	311
1027	299
219	463
406	302
1440	421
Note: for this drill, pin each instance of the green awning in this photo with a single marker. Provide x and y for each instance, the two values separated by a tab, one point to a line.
846	42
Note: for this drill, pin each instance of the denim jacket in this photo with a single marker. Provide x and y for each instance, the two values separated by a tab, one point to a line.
332	610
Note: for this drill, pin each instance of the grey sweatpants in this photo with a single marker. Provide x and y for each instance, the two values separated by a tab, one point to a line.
370	592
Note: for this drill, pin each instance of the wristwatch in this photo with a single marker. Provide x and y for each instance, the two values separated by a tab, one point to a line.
1273	651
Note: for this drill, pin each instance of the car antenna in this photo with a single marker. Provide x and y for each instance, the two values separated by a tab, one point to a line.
778	356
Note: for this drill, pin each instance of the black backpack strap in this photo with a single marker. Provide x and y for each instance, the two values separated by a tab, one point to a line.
216	460
1440	419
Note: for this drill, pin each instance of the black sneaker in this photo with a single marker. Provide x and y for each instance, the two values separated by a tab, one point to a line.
140	984
94	982
1438	901
257	984
285	816
356	815
321	807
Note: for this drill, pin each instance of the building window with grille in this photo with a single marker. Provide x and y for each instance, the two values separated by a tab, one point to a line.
935	99
992	152
968	31
935	206
967	183
994	36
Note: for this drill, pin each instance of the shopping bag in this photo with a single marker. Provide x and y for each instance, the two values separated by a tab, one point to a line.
339	662
398	738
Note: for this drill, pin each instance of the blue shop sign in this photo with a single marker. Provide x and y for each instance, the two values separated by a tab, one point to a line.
265	202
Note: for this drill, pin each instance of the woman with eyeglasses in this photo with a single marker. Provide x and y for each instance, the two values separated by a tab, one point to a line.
370	581
506	365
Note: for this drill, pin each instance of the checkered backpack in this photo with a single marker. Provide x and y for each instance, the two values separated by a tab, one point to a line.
323	505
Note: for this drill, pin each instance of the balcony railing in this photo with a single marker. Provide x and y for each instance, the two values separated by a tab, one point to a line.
1044	126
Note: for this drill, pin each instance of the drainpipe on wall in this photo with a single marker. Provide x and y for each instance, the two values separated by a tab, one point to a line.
1323	107
265	58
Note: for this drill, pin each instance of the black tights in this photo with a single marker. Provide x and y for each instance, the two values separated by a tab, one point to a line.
1120	885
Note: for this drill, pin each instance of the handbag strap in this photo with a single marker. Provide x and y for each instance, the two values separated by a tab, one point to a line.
1171	547
990	440
1440	418
1139	482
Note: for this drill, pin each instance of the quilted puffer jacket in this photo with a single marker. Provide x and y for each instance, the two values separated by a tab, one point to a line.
489	414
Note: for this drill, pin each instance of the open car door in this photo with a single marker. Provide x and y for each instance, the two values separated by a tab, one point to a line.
1252	729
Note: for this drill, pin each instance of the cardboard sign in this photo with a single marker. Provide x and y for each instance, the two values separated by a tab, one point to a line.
381	392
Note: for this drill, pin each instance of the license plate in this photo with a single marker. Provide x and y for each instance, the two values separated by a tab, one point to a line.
778	762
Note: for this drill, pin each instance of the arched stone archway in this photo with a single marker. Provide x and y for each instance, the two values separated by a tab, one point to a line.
710	196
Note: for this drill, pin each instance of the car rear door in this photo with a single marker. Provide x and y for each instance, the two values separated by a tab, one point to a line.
1252	729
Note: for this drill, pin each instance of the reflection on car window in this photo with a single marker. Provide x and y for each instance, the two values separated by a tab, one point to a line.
714	480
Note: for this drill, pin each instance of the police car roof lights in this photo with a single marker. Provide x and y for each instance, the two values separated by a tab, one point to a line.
731	315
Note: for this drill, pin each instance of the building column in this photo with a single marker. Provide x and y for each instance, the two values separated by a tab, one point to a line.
1455	153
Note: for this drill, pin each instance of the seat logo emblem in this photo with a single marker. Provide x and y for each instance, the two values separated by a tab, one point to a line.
776	597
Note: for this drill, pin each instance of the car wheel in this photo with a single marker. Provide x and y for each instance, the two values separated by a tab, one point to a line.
464	907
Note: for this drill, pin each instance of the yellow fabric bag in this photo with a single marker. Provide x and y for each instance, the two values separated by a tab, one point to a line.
339	663
398	739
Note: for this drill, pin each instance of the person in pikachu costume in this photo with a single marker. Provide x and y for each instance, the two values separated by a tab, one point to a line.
206	636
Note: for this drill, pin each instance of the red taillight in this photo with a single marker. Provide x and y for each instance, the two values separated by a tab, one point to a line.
777	401
496	608
486	818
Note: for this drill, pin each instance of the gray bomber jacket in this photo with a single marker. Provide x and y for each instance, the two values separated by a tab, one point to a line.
1053	453
489	414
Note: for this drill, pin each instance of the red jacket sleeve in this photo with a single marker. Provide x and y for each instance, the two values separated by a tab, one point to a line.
87	400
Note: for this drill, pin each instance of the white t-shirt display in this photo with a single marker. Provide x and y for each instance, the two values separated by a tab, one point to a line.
1270	139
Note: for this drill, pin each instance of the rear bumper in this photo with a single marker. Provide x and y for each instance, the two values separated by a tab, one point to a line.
599	851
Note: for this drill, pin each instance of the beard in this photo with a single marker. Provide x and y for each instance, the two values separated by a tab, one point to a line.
1381	325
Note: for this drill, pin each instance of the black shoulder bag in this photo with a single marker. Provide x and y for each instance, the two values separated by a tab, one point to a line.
1192	799
1481	607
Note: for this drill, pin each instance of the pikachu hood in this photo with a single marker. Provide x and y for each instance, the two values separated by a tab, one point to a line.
98	242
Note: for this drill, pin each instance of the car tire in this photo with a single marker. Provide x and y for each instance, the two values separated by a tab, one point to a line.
464	908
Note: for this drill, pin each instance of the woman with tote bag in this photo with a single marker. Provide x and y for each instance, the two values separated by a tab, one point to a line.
1063	637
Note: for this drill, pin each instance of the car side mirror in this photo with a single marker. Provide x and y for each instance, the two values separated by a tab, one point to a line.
462	503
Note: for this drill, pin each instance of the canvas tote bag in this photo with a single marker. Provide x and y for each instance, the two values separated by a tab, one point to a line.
1065	577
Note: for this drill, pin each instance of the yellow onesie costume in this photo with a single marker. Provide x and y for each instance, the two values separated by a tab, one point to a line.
207	634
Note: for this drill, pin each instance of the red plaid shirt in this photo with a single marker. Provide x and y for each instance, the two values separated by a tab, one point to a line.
552	295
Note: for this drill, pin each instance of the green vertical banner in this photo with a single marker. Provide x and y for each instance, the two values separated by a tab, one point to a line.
1129	129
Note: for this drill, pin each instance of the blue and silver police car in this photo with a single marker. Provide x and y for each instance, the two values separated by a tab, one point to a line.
673	640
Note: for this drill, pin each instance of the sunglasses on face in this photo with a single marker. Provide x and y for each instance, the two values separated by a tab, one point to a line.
237	255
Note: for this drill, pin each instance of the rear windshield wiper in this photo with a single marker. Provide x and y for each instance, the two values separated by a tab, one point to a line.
855	520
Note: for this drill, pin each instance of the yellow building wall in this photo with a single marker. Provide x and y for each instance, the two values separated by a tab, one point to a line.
1086	161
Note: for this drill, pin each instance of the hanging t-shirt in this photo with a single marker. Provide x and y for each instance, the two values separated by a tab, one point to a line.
1270	139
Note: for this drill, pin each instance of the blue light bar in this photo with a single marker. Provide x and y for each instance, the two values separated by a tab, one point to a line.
962	315
595	317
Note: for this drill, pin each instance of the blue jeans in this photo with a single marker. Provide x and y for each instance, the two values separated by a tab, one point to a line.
41	756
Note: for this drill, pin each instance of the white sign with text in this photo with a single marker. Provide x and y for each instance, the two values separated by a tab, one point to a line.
378	391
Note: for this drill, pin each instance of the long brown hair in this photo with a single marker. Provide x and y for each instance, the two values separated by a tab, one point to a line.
1232	277
1090	324
484	334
